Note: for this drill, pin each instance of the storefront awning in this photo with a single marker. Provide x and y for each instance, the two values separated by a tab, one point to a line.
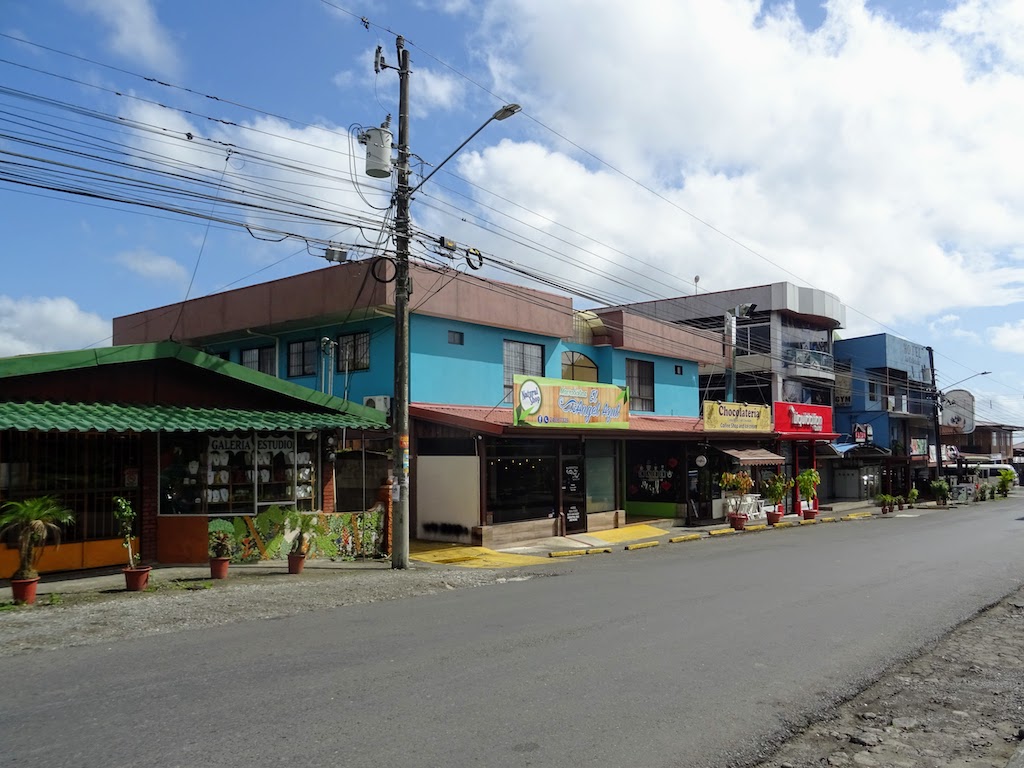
753	456
858	449
105	417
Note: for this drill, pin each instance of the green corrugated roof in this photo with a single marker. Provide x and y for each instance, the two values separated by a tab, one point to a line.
54	362
101	417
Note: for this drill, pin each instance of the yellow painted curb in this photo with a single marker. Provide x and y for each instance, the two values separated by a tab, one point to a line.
756	528
784	524
857	516
599	550
808	522
633	532
827	519
687	537
721	532
567	553
642	545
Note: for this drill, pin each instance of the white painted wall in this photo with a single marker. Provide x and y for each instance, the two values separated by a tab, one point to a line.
447	491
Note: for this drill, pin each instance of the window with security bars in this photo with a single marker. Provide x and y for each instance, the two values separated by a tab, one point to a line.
523	359
83	471
354	352
260	359
640	380
302	358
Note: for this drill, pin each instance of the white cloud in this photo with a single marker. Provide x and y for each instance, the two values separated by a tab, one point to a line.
47	324
436	90
948	319
152	266
344	78
1008	337
136	32
862	157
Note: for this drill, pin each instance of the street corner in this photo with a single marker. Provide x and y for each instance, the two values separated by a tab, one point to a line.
467	556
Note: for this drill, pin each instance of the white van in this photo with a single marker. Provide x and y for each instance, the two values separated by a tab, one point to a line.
989	473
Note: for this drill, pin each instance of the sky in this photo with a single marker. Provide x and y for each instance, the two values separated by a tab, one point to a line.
870	149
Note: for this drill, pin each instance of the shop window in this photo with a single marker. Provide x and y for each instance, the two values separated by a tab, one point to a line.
237	473
521	358
578	367
84	472
600	475
521	488
302	358
354	352
260	359
640	380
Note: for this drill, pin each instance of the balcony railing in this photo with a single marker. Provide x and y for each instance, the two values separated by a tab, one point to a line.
808	358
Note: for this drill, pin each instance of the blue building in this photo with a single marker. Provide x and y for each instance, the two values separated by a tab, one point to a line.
479	472
885	410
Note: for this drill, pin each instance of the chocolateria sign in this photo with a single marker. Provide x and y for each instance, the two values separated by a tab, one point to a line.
540	402
720	416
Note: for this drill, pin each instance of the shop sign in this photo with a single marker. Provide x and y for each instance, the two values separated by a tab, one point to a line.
863	433
541	402
800	418
736	417
918	446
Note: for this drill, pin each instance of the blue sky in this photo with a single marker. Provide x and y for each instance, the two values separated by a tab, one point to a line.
872	150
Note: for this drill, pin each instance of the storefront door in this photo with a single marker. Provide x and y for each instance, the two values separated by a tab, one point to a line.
574	499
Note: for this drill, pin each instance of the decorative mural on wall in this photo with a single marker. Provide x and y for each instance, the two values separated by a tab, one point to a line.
342	535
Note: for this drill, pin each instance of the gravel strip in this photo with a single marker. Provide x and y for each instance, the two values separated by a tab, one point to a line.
84	618
959	704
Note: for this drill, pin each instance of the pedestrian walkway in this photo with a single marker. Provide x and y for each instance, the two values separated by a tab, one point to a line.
468	556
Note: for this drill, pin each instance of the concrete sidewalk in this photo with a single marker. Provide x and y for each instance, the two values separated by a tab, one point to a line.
428	554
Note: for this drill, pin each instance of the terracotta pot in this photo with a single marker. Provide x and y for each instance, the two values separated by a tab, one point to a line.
24	590
810	514
219	567
774	517
136	579
738	523
296	563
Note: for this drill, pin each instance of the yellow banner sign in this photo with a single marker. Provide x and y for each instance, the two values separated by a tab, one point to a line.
543	402
736	417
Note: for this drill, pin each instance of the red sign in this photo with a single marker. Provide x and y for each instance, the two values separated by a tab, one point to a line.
801	419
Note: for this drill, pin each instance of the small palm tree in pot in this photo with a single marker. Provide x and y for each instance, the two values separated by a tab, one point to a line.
32	521
222	544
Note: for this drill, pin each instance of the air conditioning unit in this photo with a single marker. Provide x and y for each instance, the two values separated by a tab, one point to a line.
381	403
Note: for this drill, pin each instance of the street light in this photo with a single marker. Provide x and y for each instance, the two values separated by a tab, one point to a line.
731	316
935	411
403	196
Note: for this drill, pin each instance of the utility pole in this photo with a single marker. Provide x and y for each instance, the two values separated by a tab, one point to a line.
935	416
400	440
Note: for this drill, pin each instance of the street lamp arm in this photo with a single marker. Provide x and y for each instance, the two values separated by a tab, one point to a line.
980	373
506	111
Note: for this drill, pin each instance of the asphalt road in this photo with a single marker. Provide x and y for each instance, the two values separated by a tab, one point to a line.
696	654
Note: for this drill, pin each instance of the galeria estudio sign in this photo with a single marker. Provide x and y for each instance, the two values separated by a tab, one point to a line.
540	402
802	419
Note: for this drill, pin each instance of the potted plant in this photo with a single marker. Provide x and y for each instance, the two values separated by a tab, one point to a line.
775	489
899	501
222	543
736	484
738	520
940	489
912	495
310	539
807	482
32	521
1006	478
304	524
136	577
